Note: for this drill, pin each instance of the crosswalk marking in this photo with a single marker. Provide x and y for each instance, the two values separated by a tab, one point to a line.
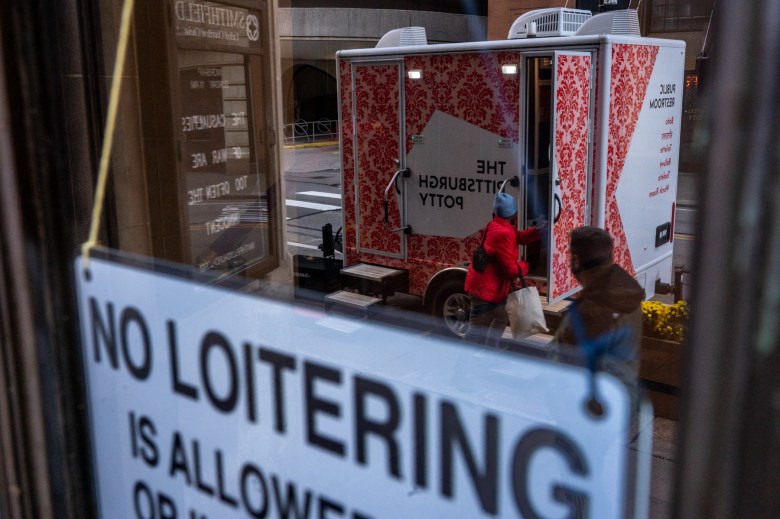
302	245
311	205
320	194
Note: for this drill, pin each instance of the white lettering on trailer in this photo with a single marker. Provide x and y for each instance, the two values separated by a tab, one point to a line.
211	403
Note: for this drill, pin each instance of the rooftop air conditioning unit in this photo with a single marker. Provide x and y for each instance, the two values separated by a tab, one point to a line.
541	23
403	37
623	21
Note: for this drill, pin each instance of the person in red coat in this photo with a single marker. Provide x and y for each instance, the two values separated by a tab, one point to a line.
489	289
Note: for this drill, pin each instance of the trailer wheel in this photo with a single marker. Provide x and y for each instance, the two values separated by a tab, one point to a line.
451	307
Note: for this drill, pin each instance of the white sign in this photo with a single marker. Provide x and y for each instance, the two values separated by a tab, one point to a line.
216	23
207	403
457	170
648	184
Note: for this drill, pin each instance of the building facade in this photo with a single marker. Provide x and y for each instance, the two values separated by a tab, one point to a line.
686	20
312	31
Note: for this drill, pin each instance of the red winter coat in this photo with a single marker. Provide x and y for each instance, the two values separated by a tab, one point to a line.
501	244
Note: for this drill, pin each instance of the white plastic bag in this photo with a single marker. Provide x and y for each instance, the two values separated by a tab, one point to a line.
526	316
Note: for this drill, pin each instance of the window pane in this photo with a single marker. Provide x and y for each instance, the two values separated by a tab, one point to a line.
227	208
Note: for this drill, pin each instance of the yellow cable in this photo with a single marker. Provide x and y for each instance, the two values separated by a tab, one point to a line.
113	104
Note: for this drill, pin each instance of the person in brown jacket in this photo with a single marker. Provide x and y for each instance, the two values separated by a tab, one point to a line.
609	306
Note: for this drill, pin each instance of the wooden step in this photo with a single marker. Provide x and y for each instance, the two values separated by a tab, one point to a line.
375	279
557	309
350	301
371	272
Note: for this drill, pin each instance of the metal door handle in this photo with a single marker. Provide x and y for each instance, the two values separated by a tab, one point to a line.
406	172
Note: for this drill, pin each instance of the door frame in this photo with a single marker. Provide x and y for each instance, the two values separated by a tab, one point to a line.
556	262
401	164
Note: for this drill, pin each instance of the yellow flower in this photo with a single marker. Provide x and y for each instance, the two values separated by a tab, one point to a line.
665	321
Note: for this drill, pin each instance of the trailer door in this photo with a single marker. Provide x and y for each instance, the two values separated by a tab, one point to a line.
378	155
570	163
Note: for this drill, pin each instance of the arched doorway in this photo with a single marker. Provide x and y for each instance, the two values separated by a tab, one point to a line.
314	94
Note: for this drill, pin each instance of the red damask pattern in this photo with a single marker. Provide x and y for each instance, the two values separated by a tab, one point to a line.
472	88
632	66
572	97
468	86
377	99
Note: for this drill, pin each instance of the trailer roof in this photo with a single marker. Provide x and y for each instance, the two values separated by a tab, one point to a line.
517	44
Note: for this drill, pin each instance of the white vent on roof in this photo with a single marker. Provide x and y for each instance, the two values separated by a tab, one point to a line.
403	37
542	23
624	21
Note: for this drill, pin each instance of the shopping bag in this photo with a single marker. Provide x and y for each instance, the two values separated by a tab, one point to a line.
526	316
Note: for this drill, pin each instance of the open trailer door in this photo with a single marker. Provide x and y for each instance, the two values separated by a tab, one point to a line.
572	85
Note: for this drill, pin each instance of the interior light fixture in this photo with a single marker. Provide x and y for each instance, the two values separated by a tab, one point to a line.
509	69
415	74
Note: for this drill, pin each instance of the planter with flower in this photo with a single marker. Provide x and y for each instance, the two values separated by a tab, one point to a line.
664	335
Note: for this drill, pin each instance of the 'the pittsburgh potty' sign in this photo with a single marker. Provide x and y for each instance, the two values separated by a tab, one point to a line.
207	403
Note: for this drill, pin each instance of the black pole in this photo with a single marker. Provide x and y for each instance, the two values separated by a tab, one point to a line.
729	462
47	158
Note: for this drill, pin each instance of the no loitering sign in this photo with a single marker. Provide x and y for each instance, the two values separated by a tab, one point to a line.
207	403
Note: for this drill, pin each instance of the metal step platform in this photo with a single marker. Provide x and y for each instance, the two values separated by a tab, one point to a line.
350	302
373	279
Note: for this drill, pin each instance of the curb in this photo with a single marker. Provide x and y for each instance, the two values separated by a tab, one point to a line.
310	145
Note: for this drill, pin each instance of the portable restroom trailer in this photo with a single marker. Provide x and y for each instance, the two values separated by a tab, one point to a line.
578	117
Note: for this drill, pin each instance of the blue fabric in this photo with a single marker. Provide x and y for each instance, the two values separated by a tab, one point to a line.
615	342
504	205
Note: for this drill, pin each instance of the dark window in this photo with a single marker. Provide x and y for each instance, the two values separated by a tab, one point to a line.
680	15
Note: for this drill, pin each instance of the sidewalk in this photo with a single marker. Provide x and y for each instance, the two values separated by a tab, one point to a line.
663	467
311	158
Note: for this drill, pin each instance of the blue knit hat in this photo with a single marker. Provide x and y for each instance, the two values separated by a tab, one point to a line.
504	206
